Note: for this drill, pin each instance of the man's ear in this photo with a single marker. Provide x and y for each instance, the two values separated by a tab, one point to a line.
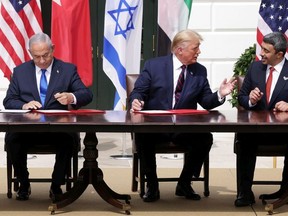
280	54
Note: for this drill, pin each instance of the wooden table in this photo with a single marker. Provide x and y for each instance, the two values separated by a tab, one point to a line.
121	121
219	121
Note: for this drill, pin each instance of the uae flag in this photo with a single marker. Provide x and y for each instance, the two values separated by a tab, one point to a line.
173	16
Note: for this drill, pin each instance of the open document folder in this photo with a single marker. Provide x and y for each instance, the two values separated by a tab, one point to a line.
80	111
172	112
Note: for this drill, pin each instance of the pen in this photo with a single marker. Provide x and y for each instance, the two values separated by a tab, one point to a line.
140	103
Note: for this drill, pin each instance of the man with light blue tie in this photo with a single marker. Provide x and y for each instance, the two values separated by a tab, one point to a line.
43	83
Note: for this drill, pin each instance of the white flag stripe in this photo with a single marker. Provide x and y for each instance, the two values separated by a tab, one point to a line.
7	31
32	19
133	58
6	57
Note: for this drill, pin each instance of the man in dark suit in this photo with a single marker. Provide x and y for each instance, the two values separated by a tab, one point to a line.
157	89
65	88
254	95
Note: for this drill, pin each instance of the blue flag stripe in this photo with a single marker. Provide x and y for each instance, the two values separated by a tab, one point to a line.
112	56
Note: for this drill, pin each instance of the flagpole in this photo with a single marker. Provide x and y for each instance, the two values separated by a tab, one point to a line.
124	155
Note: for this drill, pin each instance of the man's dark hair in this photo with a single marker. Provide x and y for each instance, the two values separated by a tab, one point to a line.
278	40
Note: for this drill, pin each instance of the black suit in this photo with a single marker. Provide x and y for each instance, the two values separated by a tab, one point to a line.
155	87
23	89
248	143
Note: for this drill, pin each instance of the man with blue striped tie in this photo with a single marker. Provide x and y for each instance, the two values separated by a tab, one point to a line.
43	83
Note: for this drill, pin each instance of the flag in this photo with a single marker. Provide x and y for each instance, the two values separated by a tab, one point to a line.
122	44
273	16
173	16
19	20
71	35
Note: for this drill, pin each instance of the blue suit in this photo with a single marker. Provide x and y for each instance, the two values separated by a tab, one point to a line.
248	143
155	87
64	78
23	89
256	77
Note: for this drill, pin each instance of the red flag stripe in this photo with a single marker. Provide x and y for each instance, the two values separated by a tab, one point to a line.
17	24
19	36
10	50
5	68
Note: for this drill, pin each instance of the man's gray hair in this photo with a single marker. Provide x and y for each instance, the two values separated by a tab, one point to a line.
42	38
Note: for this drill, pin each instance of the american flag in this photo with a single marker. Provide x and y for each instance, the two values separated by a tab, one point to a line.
273	16
19	20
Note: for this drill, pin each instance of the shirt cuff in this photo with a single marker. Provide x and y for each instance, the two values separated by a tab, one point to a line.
74	99
219	97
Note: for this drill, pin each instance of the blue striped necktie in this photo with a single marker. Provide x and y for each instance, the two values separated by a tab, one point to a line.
43	86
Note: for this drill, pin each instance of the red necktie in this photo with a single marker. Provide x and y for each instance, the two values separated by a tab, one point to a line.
268	83
180	84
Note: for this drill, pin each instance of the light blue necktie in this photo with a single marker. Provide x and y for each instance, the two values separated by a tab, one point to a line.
43	86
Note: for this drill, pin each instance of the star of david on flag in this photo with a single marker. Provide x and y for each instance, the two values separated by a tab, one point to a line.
121	26
273	16
122	44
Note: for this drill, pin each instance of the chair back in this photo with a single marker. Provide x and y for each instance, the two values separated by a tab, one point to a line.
130	81
240	80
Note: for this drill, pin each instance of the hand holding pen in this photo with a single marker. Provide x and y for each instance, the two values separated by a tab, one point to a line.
137	104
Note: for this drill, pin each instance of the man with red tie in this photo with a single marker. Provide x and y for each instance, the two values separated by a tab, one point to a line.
176	81
265	87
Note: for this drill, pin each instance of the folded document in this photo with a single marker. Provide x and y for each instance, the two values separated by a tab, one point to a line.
172	112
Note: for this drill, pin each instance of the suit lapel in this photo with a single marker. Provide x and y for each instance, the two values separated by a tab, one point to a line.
281	82
55	72
32	81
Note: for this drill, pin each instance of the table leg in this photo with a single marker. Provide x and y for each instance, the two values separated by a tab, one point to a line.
277	203
91	174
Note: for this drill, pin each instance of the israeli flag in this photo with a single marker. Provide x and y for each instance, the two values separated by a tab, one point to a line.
122	44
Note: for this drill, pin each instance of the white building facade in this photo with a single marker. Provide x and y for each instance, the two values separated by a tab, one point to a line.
228	28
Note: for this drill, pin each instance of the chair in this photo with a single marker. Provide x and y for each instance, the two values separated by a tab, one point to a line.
265	150
71	175
161	148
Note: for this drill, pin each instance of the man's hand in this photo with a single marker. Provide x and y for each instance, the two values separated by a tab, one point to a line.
227	87
64	98
137	104
32	105
255	95
281	106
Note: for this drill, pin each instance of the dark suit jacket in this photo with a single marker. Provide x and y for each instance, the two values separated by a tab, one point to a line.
155	86
64	78
256	77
